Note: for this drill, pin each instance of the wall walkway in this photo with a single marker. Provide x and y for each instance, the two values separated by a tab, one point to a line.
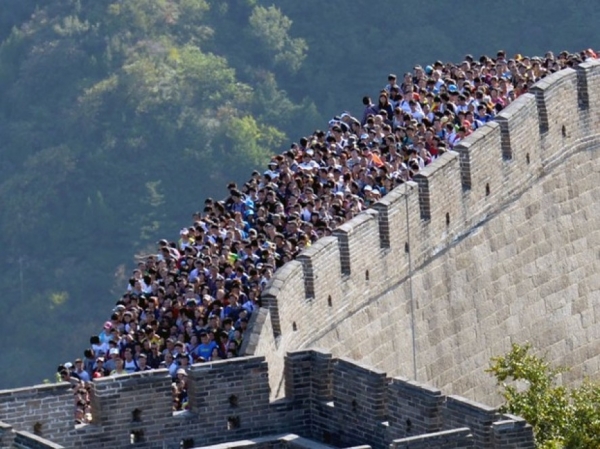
496	242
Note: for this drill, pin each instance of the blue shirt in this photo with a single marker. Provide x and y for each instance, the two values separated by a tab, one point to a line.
205	350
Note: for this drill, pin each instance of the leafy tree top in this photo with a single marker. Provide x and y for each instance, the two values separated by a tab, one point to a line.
560	416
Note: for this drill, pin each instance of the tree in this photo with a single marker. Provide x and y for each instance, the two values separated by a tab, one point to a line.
271	27
115	123
13	13
560	416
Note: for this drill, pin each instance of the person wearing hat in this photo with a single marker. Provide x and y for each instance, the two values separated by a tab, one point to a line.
453	89
99	369
180	390
119	309
112	355
128	321
80	372
273	170
185	240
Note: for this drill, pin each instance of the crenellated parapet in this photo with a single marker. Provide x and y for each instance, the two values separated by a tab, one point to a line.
331	401
494	242
348	280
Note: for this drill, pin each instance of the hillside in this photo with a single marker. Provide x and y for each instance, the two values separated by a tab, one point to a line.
118	120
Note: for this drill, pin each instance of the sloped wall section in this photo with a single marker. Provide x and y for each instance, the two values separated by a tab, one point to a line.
495	242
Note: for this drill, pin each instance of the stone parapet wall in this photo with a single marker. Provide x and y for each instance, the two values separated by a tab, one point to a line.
494	243
329	402
477	247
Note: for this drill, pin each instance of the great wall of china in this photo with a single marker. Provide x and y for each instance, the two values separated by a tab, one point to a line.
494	243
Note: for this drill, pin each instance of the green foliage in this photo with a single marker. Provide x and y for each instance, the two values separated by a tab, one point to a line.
118	118
246	143
13	13
116	124
271	27
38	195
560	417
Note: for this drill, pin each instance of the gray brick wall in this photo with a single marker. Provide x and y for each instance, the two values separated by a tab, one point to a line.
46	410
494	243
328	401
31	441
447	439
7	435
348	403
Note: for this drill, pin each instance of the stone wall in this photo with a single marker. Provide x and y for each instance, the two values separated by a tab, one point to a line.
495	242
346	403
9	439
229	400
43	410
447	439
328	402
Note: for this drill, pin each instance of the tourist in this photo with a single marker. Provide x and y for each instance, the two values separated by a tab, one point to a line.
193	298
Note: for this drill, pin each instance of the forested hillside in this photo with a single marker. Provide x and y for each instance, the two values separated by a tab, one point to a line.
118	118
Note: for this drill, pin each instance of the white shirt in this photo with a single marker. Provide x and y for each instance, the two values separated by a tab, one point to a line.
309	165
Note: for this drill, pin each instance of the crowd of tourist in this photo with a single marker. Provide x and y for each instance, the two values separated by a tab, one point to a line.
190	302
